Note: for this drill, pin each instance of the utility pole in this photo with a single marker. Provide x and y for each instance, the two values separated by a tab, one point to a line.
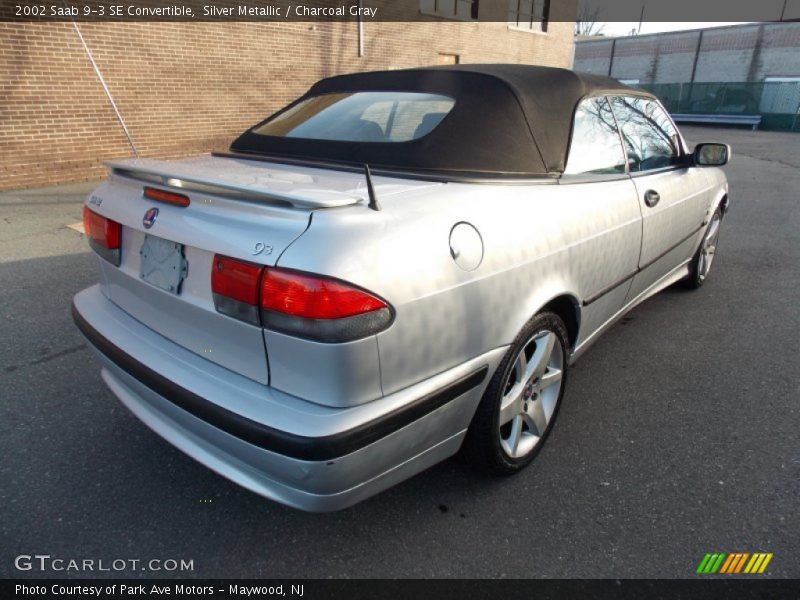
697	55
641	18
611	59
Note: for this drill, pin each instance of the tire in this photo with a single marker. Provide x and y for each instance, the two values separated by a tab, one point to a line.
525	395
700	265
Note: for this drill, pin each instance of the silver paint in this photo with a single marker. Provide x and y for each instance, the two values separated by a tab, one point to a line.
464	266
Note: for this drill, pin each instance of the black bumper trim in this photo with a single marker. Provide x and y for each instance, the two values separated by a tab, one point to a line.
264	436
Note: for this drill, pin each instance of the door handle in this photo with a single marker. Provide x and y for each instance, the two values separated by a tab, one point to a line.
651	198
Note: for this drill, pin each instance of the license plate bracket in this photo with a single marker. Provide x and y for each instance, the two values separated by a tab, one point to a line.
163	264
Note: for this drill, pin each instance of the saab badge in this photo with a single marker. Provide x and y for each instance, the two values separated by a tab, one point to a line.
150	218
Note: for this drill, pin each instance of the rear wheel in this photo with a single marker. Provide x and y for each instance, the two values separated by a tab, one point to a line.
704	257
521	402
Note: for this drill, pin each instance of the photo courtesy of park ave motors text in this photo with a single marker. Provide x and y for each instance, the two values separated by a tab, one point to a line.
496	289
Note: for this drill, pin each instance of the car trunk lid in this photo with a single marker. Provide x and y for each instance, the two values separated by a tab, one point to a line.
246	210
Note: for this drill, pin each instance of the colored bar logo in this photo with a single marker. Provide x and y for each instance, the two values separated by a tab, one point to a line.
737	562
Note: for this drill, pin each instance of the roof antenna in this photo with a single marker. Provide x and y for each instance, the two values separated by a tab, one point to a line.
373	201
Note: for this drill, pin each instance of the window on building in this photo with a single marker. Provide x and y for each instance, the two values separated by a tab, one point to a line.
595	147
466	10
361	117
447	59
529	15
651	139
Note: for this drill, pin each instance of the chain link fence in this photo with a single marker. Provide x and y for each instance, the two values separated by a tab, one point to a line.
776	102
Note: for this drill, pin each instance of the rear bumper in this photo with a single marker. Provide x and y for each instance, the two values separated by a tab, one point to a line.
296	452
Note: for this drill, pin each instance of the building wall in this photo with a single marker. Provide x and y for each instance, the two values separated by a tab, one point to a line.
742	53
186	88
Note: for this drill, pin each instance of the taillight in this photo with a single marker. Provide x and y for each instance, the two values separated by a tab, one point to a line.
234	284
318	308
313	297
165	196
298	304
104	235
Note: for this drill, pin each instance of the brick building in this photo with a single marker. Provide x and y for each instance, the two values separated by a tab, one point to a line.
737	53
184	88
751	69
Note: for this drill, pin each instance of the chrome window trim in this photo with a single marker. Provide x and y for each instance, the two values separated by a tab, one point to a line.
574	178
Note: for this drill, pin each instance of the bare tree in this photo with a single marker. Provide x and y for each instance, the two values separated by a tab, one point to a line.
587	22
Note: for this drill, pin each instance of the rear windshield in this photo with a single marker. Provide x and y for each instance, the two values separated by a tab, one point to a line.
361	117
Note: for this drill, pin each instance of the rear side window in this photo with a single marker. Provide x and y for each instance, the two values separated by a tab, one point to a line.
361	117
651	140
595	147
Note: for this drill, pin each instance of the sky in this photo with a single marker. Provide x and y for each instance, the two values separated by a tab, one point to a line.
617	29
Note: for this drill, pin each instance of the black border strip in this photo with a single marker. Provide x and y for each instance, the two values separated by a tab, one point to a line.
615	285
741	587
266	437
434	175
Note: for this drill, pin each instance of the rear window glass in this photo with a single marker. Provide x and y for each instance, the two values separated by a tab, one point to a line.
361	117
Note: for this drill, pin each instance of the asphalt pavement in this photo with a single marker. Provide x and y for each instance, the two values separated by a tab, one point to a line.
678	435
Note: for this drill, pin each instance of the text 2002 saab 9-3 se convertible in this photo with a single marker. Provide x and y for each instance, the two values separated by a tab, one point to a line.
396	266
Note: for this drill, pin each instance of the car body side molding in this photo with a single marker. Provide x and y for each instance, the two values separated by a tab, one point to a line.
596	296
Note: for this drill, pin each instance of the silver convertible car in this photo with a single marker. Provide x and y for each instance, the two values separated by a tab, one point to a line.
395	267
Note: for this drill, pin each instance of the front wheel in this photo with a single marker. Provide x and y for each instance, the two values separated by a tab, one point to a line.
704	257
520	404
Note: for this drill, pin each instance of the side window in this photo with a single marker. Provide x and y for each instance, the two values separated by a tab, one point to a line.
595	147
465	10
529	15
651	140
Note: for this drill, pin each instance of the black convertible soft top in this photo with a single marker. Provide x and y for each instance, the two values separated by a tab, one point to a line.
507	121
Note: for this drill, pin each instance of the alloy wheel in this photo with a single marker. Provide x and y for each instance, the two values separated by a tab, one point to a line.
530	394
708	248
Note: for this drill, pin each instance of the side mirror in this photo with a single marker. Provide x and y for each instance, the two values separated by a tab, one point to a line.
711	155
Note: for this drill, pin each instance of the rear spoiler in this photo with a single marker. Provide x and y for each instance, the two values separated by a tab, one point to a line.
240	182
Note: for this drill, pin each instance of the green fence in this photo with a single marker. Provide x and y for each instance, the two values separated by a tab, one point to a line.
777	102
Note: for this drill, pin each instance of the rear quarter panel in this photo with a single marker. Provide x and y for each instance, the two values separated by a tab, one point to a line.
540	241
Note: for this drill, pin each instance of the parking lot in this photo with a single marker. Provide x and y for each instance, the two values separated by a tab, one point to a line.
678	435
